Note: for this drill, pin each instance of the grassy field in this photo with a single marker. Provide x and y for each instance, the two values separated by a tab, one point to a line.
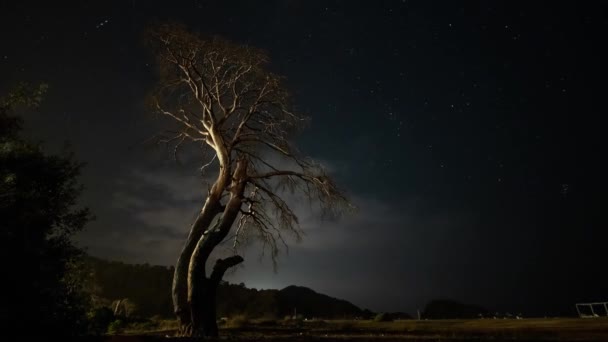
550	329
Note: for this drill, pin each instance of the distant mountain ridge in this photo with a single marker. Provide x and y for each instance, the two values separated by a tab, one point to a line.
312	304
148	288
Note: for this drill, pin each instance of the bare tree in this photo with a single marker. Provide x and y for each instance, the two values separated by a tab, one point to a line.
221	96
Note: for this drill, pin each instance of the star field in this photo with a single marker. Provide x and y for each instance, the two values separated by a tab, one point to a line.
469	134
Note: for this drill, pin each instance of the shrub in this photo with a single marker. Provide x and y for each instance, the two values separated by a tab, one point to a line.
100	319
116	327
125	308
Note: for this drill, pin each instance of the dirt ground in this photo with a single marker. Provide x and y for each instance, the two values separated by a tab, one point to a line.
556	329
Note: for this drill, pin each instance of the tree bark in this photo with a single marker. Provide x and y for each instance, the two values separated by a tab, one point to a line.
180	277
201	290
221	265
204	316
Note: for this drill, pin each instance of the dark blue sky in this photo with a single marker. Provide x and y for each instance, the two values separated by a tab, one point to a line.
468	133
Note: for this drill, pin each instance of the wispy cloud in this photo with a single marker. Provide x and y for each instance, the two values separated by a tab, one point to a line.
151	210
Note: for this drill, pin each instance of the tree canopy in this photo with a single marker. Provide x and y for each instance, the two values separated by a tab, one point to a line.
222	97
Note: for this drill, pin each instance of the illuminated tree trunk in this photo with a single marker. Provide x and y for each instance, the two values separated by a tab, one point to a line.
222	97
181	279
180	290
202	290
180	276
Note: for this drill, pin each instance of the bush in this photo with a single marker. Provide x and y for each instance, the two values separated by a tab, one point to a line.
39	196
116	327
100	319
125	308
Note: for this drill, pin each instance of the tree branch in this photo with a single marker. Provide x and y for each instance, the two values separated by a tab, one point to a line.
222	265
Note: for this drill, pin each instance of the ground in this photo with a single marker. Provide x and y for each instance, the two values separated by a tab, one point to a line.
532	329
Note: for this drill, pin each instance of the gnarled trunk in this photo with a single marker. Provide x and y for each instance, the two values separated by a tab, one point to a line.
181	285
204	319
202	290
180	275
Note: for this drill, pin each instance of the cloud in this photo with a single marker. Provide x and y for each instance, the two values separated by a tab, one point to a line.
151	209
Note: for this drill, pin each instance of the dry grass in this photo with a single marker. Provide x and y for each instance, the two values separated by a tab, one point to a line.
551	328
238	322
556	329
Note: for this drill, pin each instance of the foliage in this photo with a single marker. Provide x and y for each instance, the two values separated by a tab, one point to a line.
125	308
116	326
38	194
100	319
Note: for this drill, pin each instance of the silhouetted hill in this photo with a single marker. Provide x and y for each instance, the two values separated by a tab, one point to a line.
450	309
148	289
312	304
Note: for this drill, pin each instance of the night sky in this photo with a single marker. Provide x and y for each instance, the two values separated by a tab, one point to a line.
467	133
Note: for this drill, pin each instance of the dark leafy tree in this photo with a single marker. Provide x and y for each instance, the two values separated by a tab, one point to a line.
222	97
38	214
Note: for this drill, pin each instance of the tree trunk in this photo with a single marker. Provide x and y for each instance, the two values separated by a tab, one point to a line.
202	304
180	286
204	315
214	281
180	277
201	290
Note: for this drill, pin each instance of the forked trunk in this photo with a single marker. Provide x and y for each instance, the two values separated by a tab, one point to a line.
204	317
180	275
202	290
210	324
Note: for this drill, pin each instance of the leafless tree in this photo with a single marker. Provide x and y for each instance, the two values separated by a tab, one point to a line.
221	96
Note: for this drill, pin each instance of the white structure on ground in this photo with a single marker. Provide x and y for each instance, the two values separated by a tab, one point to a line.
589	310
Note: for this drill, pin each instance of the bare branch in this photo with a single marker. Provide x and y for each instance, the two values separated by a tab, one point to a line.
221	265
223	96
209	163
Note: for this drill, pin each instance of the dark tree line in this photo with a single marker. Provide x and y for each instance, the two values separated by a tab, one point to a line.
147	288
39	215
